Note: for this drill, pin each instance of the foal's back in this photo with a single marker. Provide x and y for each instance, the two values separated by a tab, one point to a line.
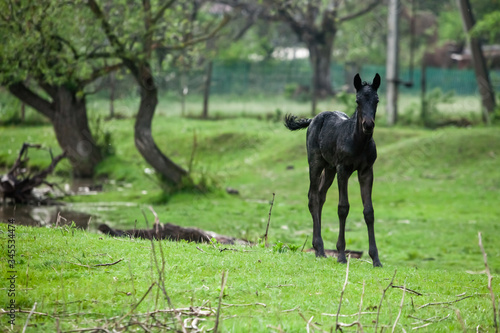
330	137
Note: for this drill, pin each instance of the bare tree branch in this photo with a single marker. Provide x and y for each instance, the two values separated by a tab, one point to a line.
200	39
361	12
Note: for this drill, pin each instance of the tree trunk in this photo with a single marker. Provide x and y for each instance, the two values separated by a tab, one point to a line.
68	115
144	141
206	89
320	58
392	63
72	131
320	53
479	63
112	92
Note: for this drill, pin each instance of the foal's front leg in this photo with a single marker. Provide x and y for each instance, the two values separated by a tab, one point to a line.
366	184
343	210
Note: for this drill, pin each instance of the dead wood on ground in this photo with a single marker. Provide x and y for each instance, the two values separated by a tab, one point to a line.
172	232
19	182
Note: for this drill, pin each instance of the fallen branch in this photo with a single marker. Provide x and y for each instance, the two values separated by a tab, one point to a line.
18	183
250	304
418	327
293	309
174	233
96	265
351	315
443	303
191	311
430	320
408	290
490	278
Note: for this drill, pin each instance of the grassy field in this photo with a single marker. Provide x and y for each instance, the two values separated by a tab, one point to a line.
434	191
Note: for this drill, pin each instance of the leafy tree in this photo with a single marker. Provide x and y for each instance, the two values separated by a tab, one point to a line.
316	24
133	36
47	58
488	27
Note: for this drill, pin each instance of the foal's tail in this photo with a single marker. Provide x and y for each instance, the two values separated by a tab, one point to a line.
293	123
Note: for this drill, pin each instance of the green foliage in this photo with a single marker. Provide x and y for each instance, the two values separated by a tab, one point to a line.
45	41
450	26
281	247
297	92
429	111
488	27
102	136
347	100
10	110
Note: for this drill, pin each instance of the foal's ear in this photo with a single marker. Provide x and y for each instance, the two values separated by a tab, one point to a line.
357	82
376	82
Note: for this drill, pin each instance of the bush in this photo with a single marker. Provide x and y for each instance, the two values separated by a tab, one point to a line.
298	92
430	111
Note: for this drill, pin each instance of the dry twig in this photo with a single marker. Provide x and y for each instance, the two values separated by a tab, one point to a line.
29	316
400	307
310	323
361	302
97	265
382	299
250	304
408	290
490	278
461	320
443	303
342	292
269	220
304	245
222	286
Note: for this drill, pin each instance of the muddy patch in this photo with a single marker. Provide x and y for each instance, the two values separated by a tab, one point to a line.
44	216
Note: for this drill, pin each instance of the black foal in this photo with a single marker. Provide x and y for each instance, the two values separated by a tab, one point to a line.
337	144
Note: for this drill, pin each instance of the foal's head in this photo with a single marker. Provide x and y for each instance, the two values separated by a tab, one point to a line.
367	100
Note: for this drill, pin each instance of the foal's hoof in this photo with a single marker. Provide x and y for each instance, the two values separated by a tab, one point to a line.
320	254
377	263
341	259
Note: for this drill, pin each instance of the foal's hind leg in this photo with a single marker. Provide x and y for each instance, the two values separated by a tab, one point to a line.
319	184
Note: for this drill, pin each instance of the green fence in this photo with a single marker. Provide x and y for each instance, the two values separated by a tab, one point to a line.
271	77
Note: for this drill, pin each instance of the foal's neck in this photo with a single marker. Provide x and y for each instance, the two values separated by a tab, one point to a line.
358	134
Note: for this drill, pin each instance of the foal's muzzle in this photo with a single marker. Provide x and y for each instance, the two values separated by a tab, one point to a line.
368	126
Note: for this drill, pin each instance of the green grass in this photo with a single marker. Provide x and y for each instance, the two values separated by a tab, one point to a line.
50	273
433	192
